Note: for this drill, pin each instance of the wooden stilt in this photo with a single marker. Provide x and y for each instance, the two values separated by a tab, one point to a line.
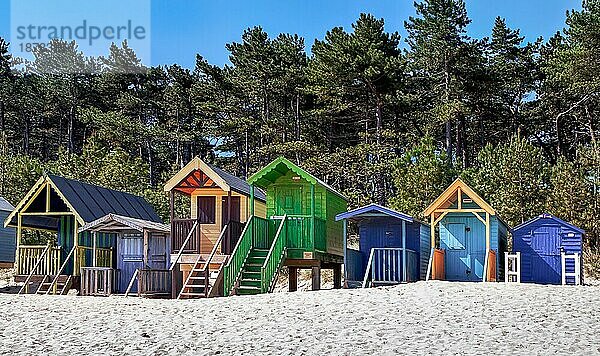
337	276
293	279
316	278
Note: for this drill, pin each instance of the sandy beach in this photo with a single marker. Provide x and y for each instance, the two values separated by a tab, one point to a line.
423	317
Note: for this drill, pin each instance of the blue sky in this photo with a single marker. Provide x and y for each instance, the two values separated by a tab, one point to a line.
182	28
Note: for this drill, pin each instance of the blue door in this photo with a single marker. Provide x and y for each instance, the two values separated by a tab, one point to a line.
457	255
545	262
130	248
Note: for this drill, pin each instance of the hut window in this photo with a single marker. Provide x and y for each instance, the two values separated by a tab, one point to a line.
467	200
206	209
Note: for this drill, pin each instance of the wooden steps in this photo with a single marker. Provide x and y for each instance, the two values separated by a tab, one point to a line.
250	281
63	284
199	283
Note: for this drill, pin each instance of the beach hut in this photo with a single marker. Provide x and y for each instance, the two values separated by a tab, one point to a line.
550	249
299	232
201	241
61	206
7	237
393	247
472	237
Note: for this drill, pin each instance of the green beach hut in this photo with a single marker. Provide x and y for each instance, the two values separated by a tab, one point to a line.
299	232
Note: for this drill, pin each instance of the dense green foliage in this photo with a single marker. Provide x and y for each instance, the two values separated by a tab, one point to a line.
381	118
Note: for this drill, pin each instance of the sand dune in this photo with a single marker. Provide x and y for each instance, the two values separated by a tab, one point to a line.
424	317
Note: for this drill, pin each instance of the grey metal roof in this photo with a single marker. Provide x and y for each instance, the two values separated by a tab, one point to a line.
5	205
92	202
238	184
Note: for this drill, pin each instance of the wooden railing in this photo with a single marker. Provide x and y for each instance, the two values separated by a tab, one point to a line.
299	233
31	260
274	258
234	266
154	282
491	266
52	289
180	230
206	269
260	233
387	265
104	256
235	229
98	281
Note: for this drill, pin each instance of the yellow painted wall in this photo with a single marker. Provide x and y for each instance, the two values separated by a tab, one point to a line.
212	231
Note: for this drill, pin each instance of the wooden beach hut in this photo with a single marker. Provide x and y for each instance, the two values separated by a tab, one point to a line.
393	247
299	231
7	236
201	241
472	237
550	250
62	206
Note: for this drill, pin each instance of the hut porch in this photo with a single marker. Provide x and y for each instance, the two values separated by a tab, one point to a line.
202	241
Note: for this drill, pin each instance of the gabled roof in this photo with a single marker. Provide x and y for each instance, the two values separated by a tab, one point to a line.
551	217
223	180
372	210
5	205
451	191
113	222
279	168
86	201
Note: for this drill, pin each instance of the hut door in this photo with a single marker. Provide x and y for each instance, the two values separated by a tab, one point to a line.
131	257
545	262
157	251
458	265
235	210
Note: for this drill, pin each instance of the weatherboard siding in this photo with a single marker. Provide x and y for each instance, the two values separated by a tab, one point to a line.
7	240
540	244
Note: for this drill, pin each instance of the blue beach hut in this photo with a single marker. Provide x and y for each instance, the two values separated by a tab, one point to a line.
472	237
393	247
7	236
541	241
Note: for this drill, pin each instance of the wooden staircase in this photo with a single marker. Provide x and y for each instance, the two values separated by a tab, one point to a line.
255	263
202	282
205	279
62	282
250	280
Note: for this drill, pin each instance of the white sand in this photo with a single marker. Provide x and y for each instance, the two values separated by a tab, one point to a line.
424	317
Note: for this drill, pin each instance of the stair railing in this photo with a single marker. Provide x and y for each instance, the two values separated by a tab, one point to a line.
233	268
269	269
131	281
187	239
206	270
25	286
53	285
368	270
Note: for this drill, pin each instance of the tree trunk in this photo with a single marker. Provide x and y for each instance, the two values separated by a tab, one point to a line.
447	102
150	162
2	114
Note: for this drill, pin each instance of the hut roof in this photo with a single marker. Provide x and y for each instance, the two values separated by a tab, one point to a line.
199	174
279	167
373	210
86	201
444	200
547	216
113	222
